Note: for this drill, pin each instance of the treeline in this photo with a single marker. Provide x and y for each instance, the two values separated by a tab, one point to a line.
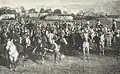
88	15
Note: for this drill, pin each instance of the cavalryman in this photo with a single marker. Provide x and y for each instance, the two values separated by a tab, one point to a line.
99	27
114	25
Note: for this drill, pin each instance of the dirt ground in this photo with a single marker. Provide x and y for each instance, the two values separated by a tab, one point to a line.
108	64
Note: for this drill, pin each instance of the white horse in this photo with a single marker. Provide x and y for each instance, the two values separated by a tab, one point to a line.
56	46
56	50
101	44
13	53
92	34
50	37
28	44
109	37
86	45
40	50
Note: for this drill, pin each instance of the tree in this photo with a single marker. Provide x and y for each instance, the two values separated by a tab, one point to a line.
81	13
65	12
42	10
48	11
32	10
3	10
57	11
22	9
73	15
7	10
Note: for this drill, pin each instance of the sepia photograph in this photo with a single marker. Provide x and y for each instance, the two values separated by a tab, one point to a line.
59	36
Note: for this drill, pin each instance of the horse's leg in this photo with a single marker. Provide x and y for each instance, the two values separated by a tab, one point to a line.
73	38
88	51
10	66
25	52
92	38
43	60
34	50
56	54
23	61
7	56
100	50
10	63
110	41
114	39
84	53
14	64
103	50
43	56
55	57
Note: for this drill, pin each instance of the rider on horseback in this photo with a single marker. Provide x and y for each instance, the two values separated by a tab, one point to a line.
114	25
99	27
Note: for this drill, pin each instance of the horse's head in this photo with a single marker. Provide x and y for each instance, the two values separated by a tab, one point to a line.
9	44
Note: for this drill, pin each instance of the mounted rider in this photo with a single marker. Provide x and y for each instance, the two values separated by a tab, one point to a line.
114	25
87	25
99	27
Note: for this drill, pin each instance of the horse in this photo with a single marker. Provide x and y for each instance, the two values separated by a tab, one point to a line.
20	48
56	47
85	45
40	48
100	42
56	50
109	37
26	42
63	43
92	34
13	54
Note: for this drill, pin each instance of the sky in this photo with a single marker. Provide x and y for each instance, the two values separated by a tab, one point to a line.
36	3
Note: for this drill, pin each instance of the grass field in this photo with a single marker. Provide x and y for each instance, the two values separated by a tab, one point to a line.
107	64
104	21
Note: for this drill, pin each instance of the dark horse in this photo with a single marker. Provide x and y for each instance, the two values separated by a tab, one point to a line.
100	42
74	42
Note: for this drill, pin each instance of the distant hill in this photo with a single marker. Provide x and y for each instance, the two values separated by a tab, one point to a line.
109	7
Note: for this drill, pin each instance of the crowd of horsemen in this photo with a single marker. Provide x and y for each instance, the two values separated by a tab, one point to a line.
59	38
